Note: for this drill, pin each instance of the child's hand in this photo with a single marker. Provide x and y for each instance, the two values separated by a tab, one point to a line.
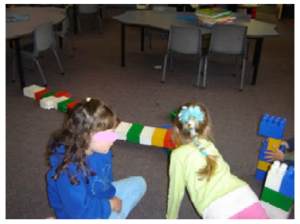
115	204
277	155
285	144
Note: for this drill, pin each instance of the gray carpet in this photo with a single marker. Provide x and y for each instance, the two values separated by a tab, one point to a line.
136	94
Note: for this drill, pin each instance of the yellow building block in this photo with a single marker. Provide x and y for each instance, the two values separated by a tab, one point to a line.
262	165
158	137
273	141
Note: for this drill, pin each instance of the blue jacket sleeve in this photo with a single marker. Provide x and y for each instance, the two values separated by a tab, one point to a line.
78	204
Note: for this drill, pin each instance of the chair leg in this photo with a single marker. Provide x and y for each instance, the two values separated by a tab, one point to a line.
165	68
199	72
171	61
100	23
243	73
58	61
40	71
205	71
149	40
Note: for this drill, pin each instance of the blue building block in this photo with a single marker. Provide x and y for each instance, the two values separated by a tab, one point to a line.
272	127
287	186
260	175
262	151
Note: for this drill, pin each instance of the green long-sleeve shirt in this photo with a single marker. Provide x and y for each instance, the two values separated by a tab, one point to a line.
185	162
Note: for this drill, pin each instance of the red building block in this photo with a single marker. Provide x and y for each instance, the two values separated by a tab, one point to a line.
38	95
168	143
70	106
63	94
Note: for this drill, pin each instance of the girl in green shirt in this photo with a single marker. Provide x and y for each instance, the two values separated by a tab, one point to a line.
198	165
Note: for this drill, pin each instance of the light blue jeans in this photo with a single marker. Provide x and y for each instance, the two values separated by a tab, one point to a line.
130	191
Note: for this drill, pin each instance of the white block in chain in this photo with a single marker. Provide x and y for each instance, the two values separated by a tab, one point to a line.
29	91
48	102
146	135
122	130
275	175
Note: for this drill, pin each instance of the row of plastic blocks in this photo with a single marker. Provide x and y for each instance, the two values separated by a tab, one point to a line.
272	127
279	191
145	135
262	165
49	99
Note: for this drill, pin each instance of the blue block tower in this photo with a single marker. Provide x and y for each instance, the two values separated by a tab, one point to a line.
272	127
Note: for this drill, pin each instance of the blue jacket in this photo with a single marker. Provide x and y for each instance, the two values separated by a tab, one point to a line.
85	201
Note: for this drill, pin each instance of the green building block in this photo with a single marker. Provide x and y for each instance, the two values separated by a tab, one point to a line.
62	106
47	94
133	134
277	199
173	114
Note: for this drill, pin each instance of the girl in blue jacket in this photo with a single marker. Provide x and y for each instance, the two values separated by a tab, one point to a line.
80	181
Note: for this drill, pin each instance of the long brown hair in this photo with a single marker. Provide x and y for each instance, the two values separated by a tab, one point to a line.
85	119
203	130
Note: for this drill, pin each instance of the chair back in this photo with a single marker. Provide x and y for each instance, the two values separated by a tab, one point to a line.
66	22
44	37
164	9
228	39
185	40
88	8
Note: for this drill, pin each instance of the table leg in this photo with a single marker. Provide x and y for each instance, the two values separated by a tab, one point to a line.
142	38
256	58
75	18
19	61
123	45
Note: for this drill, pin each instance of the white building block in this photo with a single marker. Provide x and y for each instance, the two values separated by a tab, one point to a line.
146	135
274	212
29	91
275	175
48	102
122	130
59	99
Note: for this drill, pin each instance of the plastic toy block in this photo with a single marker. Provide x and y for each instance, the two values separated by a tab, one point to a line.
274	212
58	100
133	135
51	93
272	127
262	165
271	142
122	130
168	143
262	151
276	199
173	114
48	102
38	95
287	187
146	135
260	175
70	106
63	94
275	176
62	106
158	137
29	91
